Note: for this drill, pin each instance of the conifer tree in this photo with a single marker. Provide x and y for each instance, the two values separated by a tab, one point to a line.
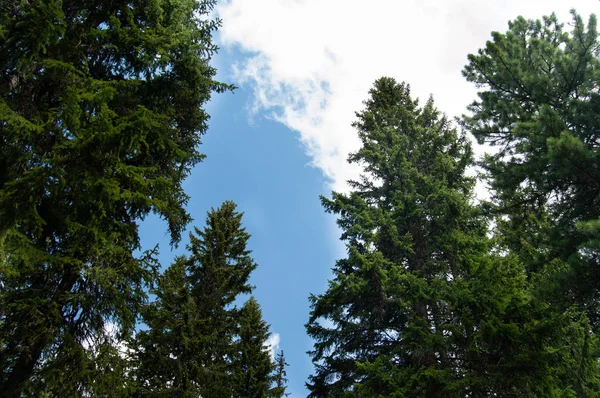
279	377
252	366
100	119
402	223
162	354
539	106
192	344
425	304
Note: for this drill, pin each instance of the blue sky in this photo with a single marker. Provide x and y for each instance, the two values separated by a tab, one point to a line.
281	140
261	165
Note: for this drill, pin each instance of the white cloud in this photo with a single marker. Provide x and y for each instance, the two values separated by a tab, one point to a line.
110	335
312	62
272	344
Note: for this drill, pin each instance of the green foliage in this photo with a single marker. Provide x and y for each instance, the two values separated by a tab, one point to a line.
408	228
100	119
539	104
161	353
197	343
426	304
253	366
101	115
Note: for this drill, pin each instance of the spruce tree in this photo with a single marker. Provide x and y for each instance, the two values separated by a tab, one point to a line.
101	114
404	223
426	304
162	354
191	345
252	366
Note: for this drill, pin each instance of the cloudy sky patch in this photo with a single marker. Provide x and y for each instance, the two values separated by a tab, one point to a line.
310	63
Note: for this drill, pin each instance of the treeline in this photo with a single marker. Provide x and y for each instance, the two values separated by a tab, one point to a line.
441	295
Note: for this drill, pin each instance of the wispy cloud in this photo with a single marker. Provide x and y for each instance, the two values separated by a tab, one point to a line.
310	63
272	344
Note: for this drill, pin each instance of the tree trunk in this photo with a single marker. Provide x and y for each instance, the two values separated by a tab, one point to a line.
23	369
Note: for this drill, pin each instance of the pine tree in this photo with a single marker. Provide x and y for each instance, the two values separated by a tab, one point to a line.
539	105
279	377
252	362
190	345
426	304
100	119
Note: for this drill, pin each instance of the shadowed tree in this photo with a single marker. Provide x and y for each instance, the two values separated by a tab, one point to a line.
100	121
197	342
252	362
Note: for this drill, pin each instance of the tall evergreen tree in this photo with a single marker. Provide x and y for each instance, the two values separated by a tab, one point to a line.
100	119
539	105
190	346
252	366
422	306
404	222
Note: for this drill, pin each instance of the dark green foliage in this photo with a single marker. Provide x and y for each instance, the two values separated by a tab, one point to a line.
539	105
279	377
252	362
163	353
100	119
102	371
197	343
426	305
409	229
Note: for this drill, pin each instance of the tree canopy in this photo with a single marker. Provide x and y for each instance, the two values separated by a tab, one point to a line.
197	343
426	304
101	113
538	105
440	294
